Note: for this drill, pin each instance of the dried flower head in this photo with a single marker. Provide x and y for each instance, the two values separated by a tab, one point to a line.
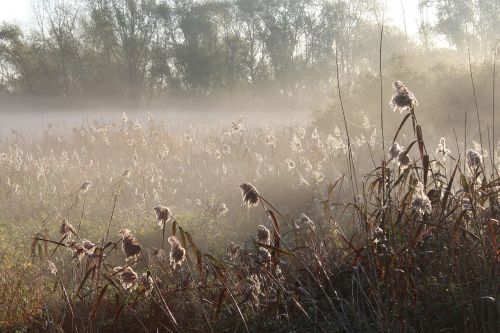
314	134
237	127
177	252
128	278
126	173
250	194
77	250
124	117
88	246
474	158
403	160
163	214
290	164
296	145
263	235
130	245
147	283
421	204
441	148
158	253
232	251
85	186
318	176
222	209
67	230
378	231
402	99
253	289
304	223
52	268
263	255
270	140
395	150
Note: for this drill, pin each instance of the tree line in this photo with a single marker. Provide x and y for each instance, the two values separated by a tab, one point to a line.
187	49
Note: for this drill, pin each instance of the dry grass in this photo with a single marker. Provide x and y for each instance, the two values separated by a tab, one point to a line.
416	250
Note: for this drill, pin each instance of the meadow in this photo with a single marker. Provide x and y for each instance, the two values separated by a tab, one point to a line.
131	227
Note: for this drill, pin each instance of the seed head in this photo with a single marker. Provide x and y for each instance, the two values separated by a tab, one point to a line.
130	245
88	246
233	251
250	194
403	160
177	252
85	186
52	268
147	283
474	158
163	214
222	210
421	204
124	117
378	232
67	230
290	164
441	148
296	145
263	255
263	235
304	223
270	140
128	278
126	173
158	253
402	99
395	150
77	250
226	149
253	289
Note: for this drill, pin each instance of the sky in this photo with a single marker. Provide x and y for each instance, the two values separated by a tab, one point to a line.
15	11
20	12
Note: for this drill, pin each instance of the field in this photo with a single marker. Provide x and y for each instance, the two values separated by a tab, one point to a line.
136	227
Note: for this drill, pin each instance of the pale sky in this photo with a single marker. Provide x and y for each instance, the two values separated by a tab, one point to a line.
17	11
20	11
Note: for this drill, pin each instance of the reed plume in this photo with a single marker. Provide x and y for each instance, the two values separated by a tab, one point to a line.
250	194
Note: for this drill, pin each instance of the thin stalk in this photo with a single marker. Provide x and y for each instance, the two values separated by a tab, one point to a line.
381	91
382	124
352	171
475	96
490	150
465	139
115	199
404	23
493	109
83	211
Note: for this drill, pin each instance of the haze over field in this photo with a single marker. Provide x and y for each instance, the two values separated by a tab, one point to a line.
249	166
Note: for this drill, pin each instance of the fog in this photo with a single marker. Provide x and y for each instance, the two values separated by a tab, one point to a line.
250	166
33	119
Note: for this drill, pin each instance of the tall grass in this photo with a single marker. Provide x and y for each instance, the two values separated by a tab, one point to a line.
416	250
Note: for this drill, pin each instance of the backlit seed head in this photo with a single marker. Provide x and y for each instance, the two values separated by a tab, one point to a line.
402	99
128	278
67	230
250	194
130	245
263	235
177	252
163	214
